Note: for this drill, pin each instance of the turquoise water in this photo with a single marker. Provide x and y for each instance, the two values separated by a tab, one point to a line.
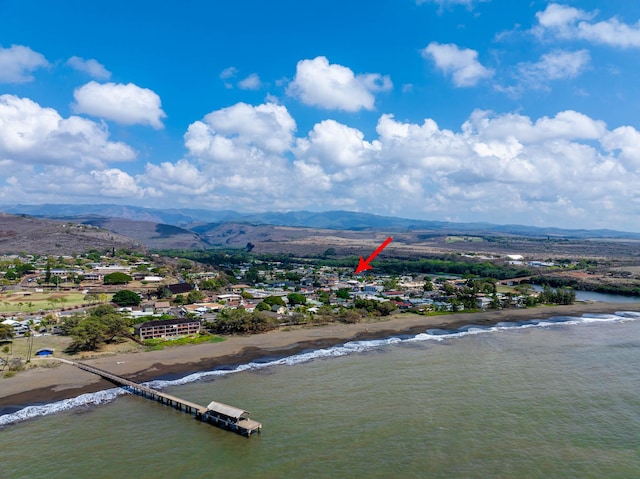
536	400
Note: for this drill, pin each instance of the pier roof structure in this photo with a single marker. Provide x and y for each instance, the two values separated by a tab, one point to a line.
227	410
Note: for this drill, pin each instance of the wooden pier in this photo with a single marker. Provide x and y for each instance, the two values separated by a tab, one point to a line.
216	413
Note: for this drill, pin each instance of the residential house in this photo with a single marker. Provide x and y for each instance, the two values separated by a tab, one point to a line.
162	307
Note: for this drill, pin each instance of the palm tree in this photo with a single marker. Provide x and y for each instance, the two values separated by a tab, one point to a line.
29	335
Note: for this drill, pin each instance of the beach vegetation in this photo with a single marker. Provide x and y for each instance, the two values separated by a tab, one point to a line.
351	315
158	344
378	308
240	321
557	296
102	324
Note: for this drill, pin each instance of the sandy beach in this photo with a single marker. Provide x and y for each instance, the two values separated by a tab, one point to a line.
42	385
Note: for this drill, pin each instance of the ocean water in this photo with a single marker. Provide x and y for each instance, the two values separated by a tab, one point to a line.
541	399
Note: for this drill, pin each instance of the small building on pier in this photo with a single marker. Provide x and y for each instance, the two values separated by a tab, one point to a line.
232	418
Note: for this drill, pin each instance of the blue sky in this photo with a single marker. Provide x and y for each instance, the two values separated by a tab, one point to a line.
459	110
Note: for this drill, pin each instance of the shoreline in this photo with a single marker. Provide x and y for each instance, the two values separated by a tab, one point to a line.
49	384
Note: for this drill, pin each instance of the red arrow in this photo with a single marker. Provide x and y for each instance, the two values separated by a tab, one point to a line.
364	264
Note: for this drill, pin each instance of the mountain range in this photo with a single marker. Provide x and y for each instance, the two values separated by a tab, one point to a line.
200	220
48	229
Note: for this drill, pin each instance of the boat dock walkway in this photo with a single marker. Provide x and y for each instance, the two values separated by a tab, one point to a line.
216	413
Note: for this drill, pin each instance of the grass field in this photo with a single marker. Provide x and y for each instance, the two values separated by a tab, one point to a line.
20	346
28	302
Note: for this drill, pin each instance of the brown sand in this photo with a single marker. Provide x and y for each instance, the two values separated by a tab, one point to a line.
40	385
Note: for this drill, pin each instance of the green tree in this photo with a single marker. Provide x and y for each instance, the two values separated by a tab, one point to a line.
323	297
391	284
495	302
184	264
117	278
386	308
163	292
343	293
212	284
194	296
89	334
102	325
70	323
467	297
179	299
47	274
11	275
102	310
6	331
296	298
448	289
114	325
274	301
252	275
349	316
262	306
126	297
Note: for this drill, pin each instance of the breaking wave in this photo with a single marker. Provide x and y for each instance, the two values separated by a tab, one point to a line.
352	347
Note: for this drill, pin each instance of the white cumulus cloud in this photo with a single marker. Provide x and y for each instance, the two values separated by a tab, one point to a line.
45	157
553	66
252	82
182	177
566	169
336	146
571	23
91	67
228	133
18	62
127	104
557	65
32	133
114	182
461	63
335	87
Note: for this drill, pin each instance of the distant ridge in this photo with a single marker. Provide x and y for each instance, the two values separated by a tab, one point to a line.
178	217
200	219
